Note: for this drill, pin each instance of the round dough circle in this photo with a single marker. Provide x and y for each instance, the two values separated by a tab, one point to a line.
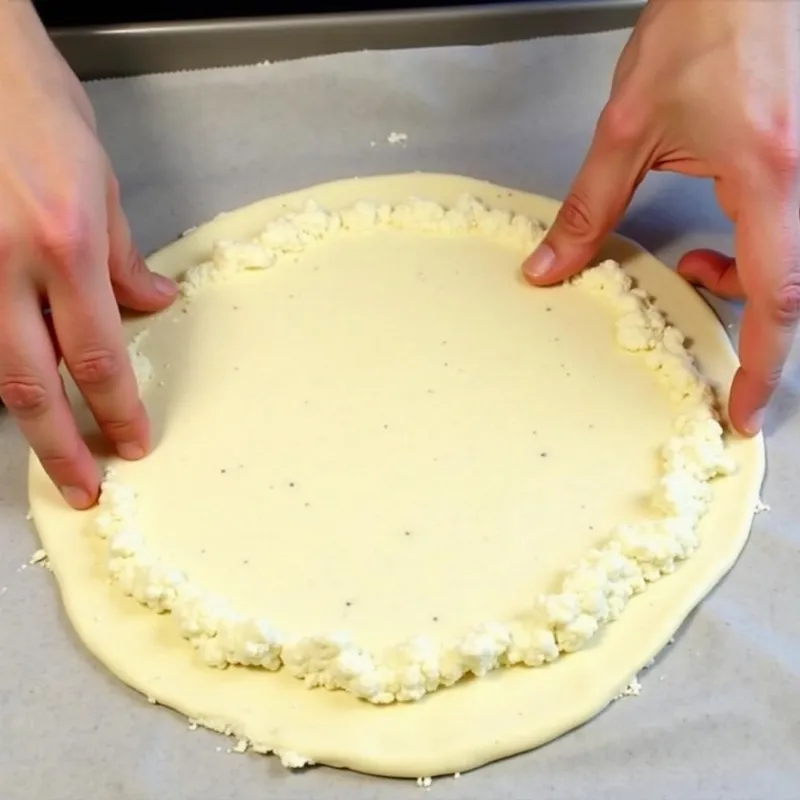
476	721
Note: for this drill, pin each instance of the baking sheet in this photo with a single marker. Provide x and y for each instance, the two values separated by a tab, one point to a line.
108	51
719	713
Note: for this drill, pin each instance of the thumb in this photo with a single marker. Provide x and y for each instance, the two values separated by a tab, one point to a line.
135	286
612	170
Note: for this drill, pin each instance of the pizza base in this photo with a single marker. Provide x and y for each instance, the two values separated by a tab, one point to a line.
409	529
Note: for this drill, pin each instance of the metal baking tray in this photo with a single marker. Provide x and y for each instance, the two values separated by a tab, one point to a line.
123	51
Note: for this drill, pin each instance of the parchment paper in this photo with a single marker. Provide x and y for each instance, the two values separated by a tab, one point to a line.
718	715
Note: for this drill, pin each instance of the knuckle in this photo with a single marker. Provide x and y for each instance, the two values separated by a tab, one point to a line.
120	430
576	217
784	304
620	124
134	262
777	146
771	379
64	236
57	463
95	367
24	396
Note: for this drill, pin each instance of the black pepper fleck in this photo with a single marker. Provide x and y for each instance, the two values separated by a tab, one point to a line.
291	484
543	455
436	619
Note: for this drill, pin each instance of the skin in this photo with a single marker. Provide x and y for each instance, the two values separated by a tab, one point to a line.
709	89
65	245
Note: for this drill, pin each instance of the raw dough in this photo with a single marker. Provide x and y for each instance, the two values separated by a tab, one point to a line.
421	444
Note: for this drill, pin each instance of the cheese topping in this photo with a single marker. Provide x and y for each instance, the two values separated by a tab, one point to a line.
593	592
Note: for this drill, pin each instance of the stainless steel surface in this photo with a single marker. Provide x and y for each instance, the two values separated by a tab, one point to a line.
106	52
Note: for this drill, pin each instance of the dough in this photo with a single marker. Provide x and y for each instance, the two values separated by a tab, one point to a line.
421	443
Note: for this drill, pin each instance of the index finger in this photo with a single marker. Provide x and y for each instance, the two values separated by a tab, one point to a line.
600	194
768	255
88	327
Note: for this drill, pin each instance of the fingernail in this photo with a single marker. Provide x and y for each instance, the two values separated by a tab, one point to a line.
76	497
755	423
130	451
542	260
164	285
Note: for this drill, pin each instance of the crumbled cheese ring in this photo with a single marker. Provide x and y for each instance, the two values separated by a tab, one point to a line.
593	593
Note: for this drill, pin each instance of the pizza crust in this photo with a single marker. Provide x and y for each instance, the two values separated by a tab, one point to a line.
308	572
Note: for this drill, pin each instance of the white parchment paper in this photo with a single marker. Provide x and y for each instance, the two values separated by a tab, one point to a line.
718	715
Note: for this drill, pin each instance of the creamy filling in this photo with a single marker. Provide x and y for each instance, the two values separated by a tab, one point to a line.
593	592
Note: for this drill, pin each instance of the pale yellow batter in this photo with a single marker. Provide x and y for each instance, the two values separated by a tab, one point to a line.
394	435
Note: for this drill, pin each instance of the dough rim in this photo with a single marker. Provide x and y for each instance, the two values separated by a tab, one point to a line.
450	755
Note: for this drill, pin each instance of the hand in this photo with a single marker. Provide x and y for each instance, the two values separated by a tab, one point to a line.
708	89
64	244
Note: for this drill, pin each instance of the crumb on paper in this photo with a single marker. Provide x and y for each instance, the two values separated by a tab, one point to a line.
372	144
39	557
292	760
633	689
456	776
424	783
761	507
192	724
397	138
240	746
3	590
151	700
29	515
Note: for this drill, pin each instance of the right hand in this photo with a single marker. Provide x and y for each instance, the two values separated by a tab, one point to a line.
65	244
709	89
